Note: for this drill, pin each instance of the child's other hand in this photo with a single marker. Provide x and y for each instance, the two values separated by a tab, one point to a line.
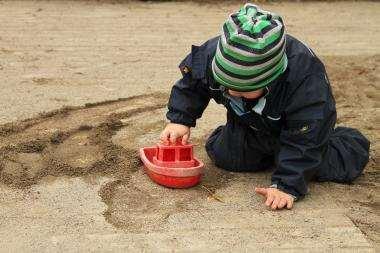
174	131
276	199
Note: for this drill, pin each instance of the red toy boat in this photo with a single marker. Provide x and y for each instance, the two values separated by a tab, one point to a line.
172	165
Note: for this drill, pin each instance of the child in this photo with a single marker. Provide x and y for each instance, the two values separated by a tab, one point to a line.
280	108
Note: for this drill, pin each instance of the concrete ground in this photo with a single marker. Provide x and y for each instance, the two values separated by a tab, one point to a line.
70	180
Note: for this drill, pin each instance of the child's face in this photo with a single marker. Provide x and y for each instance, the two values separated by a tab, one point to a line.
247	94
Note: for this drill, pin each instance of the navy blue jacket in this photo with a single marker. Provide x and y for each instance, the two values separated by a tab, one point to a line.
298	110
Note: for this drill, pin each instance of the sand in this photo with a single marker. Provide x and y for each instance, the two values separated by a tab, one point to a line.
70	174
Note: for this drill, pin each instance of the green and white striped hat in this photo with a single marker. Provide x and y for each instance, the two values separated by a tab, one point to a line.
251	50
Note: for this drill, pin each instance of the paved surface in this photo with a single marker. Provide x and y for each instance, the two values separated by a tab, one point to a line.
59	53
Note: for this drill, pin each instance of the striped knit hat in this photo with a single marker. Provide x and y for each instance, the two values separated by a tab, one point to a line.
251	50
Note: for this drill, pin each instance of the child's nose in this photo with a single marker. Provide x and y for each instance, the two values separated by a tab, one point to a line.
234	93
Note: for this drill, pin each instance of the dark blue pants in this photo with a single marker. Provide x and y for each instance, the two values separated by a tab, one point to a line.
236	147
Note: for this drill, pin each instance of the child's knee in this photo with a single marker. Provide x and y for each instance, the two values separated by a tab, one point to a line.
237	163
216	155
233	154
219	155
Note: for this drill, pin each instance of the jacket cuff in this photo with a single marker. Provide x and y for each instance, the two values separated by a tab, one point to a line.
179	118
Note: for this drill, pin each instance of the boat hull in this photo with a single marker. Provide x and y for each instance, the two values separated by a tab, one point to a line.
171	177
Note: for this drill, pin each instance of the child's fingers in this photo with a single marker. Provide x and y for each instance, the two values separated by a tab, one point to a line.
164	136
282	203
275	203
261	191
289	204
185	138
269	201
173	137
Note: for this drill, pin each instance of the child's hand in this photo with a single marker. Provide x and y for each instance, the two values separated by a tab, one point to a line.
174	131
276	199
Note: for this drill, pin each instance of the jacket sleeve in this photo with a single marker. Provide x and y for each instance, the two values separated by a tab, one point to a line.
190	95
309	121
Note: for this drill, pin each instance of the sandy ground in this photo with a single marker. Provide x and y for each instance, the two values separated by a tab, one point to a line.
70	179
